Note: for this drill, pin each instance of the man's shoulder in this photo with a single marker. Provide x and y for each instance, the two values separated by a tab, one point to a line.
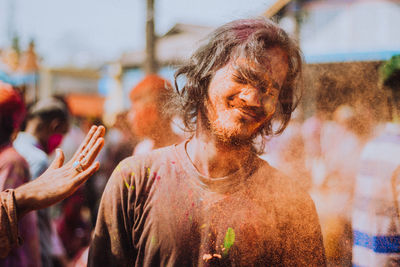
151	157
275	182
150	160
137	172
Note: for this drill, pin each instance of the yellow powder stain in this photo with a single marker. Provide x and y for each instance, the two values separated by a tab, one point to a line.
127	185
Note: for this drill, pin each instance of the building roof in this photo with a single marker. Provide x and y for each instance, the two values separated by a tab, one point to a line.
174	46
356	30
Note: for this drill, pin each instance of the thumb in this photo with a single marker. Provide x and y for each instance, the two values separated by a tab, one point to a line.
58	161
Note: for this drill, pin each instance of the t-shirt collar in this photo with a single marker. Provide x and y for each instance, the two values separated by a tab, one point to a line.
229	183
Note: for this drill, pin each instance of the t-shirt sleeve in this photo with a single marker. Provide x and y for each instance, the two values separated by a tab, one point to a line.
8	223
303	245
112	240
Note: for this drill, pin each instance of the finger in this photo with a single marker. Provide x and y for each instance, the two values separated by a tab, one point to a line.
98	134
93	152
58	160
85	142
83	176
102	129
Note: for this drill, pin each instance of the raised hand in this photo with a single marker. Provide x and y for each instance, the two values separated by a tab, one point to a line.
58	181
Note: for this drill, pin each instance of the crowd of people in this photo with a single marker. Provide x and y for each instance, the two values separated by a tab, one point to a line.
247	181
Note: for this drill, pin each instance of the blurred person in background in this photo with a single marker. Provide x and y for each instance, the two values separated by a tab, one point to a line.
148	120
46	123
333	151
311	134
78	128
286	152
76	213
14	171
340	152
375	217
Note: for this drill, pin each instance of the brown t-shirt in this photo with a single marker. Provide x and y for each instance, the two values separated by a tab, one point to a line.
158	210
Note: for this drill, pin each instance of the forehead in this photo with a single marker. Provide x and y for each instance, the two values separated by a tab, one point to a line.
274	64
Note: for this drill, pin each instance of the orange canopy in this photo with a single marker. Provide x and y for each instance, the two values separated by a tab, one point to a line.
86	105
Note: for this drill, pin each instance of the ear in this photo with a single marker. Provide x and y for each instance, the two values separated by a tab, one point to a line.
54	125
58	126
14	134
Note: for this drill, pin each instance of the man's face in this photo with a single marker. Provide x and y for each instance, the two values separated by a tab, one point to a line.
56	131
237	108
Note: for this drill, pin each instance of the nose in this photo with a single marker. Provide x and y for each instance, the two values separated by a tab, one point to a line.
251	96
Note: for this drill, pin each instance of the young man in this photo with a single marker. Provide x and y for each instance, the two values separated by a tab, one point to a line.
210	200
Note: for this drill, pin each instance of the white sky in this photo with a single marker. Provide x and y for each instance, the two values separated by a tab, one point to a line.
82	31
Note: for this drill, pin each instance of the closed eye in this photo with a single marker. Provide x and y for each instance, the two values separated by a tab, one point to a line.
269	87
239	78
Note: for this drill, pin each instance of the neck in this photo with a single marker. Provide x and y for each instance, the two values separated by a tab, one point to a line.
214	158
34	128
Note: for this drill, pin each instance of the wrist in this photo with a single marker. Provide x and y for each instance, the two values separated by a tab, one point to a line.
23	201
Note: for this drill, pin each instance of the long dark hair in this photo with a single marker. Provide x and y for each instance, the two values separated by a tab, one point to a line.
249	38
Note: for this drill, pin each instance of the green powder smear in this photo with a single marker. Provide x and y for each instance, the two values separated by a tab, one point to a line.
229	240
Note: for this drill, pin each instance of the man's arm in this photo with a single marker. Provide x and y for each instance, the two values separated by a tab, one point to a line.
304	245
112	241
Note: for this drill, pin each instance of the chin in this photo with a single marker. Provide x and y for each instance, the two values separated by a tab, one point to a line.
236	135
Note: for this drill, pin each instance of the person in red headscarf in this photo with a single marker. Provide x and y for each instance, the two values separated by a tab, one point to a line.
148	120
